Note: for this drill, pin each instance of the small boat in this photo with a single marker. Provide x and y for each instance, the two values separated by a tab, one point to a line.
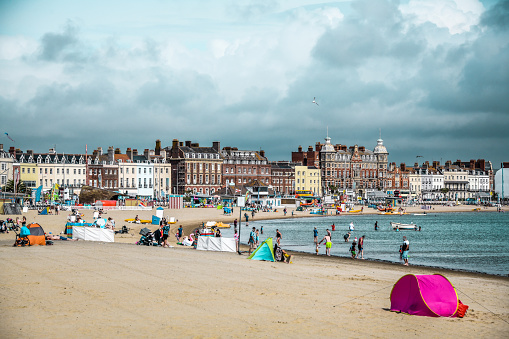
400	226
355	211
221	225
385	209
210	224
476	209
420	214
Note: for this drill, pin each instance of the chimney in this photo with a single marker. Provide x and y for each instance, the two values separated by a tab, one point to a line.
181	143
416	165
94	153
175	143
1	147
426	164
448	164
299	149
195	144
481	163
188	143
111	156
216	145
146	153
436	164
362	149
403	167
472	164
129	153
262	153
29	152
310	149
100	150
135	152
158	147
117	151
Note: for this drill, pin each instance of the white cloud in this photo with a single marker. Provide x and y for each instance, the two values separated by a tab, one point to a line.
455	15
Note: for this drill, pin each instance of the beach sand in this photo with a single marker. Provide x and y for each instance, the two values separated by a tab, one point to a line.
91	289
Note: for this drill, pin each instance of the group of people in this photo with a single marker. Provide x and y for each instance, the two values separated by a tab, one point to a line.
357	248
254	239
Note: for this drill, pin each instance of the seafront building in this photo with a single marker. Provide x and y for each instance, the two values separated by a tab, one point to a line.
241	166
196	169
355	170
186	167
283	177
308	178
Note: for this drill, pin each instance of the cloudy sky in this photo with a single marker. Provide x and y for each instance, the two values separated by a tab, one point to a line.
432	75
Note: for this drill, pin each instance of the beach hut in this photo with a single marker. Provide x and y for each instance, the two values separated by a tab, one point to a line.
426	295
264	251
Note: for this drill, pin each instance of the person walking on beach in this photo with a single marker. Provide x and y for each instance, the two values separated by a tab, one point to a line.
278	237
405	248
284	211
315	235
180	231
360	246
252	240
328	244
351	228
166	232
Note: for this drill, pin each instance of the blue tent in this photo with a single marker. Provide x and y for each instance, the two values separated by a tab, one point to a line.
264	251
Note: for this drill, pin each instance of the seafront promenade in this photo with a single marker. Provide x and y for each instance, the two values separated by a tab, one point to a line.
89	289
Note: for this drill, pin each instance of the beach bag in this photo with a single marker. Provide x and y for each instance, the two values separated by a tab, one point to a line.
25	232
462	309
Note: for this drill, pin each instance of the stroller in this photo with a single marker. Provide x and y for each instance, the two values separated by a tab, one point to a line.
147	238
22	238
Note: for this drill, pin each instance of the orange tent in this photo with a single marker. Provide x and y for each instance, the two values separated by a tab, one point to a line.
36	236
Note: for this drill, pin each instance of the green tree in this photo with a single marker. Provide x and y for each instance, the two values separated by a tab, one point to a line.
20	187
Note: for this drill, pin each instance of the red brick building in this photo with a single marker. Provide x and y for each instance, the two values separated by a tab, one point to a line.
242	167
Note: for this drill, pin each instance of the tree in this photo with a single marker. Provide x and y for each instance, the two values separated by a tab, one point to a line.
20	187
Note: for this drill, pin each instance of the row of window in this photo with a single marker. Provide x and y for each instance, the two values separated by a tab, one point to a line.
247	170
202	165
200	178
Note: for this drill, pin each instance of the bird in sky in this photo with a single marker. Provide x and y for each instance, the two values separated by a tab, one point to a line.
8	136
314	101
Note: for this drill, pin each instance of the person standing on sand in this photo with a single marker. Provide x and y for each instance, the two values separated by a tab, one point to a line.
405	248
278	237
180	230
315	235
166	232
360	246
328	244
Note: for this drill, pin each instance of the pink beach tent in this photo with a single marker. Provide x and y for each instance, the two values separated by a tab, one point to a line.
426	295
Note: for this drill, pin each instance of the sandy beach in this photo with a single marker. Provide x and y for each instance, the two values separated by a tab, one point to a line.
90	289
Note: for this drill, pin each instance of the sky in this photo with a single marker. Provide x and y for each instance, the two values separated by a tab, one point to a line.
431	77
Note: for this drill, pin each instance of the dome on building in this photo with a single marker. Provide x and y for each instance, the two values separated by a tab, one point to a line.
328	146
380	148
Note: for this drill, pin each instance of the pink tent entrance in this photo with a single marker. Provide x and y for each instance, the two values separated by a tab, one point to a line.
426	295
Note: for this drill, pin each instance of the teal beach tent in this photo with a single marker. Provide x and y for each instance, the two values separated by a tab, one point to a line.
264	251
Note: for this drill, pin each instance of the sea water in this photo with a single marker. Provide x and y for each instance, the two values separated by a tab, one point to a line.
472	241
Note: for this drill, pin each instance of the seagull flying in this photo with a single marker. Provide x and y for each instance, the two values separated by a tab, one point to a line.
314	101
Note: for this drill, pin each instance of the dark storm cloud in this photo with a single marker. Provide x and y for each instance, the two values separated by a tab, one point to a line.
497	17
